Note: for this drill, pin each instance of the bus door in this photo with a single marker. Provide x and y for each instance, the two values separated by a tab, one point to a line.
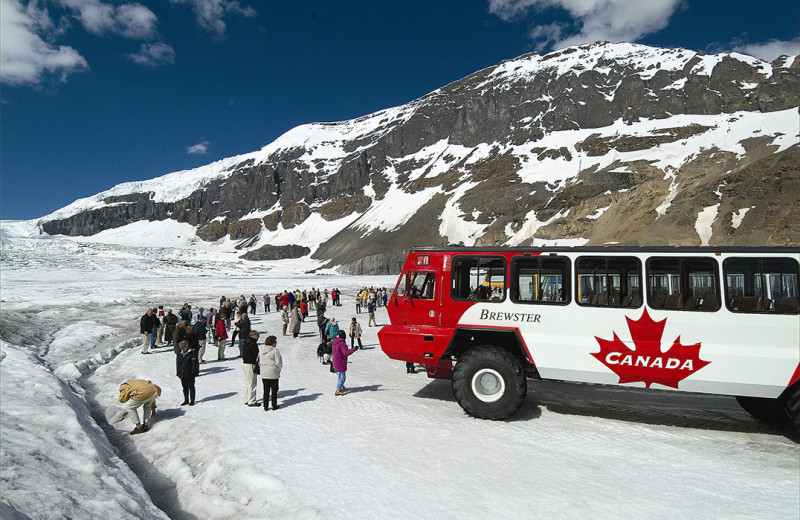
418	298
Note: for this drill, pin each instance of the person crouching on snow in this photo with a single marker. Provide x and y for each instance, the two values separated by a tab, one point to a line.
340	355
137	392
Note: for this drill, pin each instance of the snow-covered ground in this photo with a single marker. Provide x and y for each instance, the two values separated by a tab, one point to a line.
398	446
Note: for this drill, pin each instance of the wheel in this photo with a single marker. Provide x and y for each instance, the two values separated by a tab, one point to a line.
763	409
489	383
790	399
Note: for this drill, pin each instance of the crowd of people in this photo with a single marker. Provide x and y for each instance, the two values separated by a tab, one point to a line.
188	332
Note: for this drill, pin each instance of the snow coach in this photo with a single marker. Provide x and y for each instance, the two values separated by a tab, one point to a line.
710	320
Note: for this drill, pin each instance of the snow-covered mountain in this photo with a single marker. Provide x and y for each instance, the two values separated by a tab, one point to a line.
596	144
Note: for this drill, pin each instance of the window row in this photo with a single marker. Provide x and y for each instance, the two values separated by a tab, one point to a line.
676	283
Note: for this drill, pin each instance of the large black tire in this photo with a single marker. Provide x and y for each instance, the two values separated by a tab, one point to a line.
489	383
790	399
764	409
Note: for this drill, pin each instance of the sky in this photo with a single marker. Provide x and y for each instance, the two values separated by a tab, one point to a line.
97	92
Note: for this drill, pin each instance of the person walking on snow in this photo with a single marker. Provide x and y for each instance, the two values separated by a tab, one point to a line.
340	355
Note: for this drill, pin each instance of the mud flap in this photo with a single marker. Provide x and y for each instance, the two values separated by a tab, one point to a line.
443	370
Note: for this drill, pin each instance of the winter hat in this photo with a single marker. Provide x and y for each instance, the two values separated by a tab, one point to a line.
342	334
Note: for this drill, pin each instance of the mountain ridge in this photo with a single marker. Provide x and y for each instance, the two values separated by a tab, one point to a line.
597	144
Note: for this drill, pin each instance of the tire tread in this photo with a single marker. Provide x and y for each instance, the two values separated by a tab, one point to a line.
495	356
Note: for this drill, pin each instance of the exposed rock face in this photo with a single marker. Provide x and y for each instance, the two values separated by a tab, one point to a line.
276	252
606	143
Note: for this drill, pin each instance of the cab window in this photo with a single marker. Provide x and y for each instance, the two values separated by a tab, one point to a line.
422	286
400	291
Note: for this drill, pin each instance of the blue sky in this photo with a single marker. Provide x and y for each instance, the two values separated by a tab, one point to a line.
99	92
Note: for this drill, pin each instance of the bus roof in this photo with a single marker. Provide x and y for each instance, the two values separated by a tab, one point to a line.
612	249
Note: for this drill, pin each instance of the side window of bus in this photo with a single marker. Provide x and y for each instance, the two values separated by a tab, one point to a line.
689	284
609	281
478	278
540	280
421	286
400	291
761	285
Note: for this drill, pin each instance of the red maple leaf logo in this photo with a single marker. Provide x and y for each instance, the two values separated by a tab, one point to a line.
646	363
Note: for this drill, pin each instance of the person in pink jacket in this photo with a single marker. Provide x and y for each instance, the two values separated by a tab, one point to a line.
340	354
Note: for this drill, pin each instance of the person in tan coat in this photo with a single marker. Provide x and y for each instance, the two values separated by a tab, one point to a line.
137	392
271	363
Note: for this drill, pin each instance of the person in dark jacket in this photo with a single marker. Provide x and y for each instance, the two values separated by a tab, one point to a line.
187	371
178	336
146	325
194	341
244	330
170	322
340	355
249	362
322	323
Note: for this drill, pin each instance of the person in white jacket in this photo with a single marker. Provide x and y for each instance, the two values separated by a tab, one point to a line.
270	364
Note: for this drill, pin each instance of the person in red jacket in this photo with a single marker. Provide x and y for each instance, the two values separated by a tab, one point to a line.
222	336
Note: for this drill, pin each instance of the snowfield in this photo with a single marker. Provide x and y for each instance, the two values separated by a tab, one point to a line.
398	446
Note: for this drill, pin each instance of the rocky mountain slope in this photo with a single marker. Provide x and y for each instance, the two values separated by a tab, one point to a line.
596	144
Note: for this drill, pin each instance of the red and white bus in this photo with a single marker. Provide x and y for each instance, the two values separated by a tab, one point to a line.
713	320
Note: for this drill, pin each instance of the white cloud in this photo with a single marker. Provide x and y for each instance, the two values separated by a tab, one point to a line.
26	55
200	148
612	20
131	20
154	54
546	35
210	14
770	50
508	10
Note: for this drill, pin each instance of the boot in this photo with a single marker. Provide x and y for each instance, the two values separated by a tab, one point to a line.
138	429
